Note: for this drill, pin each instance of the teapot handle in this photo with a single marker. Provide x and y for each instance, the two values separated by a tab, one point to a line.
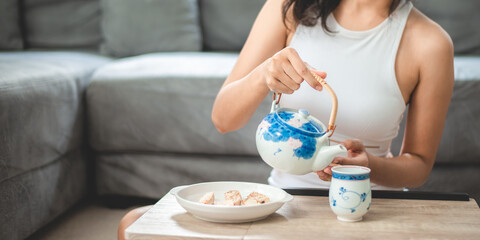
333	114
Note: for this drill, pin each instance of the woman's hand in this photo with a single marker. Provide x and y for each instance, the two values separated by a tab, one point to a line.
285	71
356	155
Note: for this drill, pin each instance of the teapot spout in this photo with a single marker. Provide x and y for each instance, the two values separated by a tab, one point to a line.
326	155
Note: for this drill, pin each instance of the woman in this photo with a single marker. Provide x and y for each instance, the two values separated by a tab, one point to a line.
380	55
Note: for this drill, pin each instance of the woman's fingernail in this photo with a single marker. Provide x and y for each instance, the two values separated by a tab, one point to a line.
319	88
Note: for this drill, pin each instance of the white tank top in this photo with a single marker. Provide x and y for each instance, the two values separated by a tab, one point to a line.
361	70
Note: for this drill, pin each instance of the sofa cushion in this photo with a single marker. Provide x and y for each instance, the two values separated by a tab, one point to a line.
62	23
227	23
31	200
459	178
145	26
162	102
459	18
153	175
10	31
461	140
41	102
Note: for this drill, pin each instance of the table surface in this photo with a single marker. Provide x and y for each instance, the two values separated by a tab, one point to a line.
310	216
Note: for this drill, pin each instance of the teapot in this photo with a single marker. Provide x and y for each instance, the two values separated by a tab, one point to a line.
295	142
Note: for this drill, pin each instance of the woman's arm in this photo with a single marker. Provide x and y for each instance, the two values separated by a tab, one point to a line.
264	65
429	103
426	115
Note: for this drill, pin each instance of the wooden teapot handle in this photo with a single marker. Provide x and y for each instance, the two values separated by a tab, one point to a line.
333	114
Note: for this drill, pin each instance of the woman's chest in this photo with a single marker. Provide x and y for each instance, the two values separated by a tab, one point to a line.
370	100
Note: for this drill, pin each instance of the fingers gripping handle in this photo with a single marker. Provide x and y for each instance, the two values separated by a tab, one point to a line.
333	114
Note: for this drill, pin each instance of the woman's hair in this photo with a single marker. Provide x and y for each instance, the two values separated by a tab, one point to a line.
307	12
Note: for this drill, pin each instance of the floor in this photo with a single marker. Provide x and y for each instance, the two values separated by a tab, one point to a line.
89	221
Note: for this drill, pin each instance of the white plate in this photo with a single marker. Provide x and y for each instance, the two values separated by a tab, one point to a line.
188	196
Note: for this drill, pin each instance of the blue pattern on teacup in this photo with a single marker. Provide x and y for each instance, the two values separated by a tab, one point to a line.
350	177
345	197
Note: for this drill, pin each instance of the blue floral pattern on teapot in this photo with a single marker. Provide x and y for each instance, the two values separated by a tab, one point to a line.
293	141
277	131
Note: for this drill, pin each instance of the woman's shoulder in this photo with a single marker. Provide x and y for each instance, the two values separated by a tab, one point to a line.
426	36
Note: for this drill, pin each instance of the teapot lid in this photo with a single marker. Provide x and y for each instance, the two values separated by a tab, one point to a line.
301	120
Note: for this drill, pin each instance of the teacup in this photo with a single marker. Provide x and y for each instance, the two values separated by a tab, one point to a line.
350	194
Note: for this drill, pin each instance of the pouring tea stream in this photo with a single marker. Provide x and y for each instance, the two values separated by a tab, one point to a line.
295	142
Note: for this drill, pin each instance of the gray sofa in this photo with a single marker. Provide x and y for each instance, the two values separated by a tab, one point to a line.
93	100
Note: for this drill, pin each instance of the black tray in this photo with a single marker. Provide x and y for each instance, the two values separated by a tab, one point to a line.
389	194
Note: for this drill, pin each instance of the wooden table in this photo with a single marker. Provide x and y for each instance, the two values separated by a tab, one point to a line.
308	217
